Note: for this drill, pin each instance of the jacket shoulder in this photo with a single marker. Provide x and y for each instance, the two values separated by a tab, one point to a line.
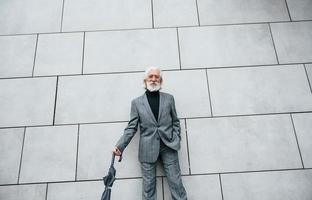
137	99
167	95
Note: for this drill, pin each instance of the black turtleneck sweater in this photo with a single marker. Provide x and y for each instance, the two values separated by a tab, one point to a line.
153	100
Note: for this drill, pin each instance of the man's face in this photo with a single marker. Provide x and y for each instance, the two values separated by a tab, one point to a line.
153	80
153	77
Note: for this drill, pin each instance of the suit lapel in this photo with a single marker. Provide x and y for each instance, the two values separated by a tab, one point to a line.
161	100
148	108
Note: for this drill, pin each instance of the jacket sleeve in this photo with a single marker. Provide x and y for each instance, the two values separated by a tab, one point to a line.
130	130
175	120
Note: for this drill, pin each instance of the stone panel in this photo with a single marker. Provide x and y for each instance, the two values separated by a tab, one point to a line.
293	41
32	16
190	91
17	55
49	154
134	50
23	192
80	15
221	46
256	90
59	54
27	101
300	9
279	185
303	126
235	144
96	98
106	98
174	13
11	141
228	12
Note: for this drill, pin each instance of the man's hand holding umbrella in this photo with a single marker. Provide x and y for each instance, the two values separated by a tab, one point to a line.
116	151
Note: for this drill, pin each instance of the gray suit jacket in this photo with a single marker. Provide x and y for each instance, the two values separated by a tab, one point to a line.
167	128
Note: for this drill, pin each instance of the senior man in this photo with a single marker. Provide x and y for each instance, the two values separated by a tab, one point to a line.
156	115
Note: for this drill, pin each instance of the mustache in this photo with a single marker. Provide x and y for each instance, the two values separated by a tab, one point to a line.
154	83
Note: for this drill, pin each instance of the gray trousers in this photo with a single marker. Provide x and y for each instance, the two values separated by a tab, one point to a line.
172	170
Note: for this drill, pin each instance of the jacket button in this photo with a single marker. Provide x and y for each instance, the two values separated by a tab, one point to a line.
157	138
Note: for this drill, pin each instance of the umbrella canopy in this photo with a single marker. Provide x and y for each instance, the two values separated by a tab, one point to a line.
109	180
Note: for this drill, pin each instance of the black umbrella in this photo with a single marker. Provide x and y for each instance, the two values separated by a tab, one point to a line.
109	179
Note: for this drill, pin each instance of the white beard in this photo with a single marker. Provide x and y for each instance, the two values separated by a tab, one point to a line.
153	87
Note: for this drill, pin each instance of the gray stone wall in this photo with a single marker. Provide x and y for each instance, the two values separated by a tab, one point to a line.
240	72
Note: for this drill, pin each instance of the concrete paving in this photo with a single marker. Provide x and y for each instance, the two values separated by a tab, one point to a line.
240	72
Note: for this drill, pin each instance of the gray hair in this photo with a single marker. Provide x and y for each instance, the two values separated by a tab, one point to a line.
147	71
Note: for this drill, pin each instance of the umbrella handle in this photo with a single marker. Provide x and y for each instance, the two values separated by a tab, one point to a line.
113	159
120	158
